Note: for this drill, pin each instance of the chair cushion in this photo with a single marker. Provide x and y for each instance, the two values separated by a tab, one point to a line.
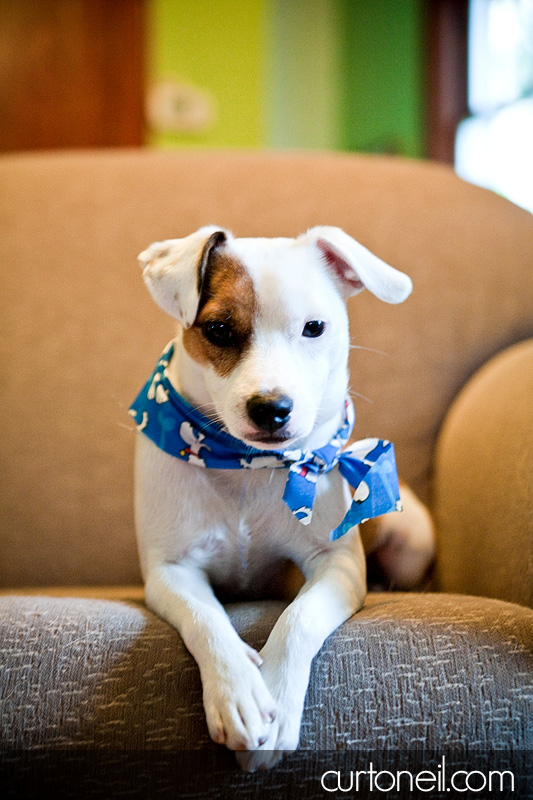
408	671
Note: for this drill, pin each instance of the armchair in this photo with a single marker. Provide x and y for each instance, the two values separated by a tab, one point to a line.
89	676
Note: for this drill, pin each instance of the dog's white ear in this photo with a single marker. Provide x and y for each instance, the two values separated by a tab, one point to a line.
357	268
173	271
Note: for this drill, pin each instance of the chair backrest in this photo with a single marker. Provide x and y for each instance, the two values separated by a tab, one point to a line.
80	333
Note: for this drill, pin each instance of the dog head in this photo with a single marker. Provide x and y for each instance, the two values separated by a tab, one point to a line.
264	325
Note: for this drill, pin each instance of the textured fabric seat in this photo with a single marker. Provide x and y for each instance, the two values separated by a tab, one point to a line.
100	673
90	679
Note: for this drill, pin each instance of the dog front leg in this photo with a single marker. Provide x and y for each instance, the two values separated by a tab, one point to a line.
334	590
238	706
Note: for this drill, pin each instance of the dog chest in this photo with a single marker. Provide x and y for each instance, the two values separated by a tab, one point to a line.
255	533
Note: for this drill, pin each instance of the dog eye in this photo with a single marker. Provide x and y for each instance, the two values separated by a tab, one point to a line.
218	333
313	328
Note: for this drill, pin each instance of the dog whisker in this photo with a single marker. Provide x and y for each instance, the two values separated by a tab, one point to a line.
369	350
130	428
210	416
361	396
214	433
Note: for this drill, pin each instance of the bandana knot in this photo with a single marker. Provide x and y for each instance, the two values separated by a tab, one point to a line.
179	429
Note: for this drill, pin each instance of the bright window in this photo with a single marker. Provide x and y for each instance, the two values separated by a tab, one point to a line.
494	146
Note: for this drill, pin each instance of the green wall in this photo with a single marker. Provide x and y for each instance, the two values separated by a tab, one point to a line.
382	102
217	46
326	74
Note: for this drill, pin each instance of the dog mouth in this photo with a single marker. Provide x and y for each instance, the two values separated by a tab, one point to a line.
267	441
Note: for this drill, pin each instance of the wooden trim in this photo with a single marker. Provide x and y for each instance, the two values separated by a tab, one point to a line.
71	73
447	59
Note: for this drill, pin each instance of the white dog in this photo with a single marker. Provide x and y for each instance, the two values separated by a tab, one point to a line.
230	488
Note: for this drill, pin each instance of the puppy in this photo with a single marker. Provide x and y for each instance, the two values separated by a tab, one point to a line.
240	469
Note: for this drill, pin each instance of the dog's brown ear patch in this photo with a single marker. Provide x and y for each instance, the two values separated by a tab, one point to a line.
173	270
222	330
215	240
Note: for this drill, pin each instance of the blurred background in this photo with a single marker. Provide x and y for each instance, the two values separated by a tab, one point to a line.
450	80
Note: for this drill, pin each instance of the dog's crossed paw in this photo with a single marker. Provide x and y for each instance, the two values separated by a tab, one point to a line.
289	695
238	705
281	742
284	732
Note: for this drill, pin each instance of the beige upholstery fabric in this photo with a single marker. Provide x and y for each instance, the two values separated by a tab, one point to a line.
80	333
484	482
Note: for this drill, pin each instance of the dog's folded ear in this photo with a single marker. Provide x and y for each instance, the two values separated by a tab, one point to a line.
356	268
173	271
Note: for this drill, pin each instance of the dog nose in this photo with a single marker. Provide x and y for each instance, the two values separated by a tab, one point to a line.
270	412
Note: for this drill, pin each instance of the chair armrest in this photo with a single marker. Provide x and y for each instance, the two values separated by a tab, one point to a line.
483	485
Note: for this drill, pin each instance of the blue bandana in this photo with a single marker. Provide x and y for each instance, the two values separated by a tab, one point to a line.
179	429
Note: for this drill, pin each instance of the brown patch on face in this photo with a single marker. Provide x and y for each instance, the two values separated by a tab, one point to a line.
227	306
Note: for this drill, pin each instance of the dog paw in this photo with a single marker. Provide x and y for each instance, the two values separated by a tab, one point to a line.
238	706
282	740
404	542
284	732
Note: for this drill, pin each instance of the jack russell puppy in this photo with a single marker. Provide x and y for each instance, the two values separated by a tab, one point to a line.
241	468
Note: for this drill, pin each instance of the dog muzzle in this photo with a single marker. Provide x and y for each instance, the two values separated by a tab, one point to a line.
180	430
